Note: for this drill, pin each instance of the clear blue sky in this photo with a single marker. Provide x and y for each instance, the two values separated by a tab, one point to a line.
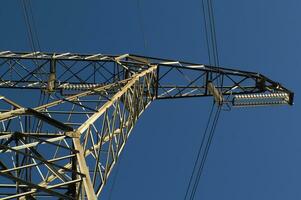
255	153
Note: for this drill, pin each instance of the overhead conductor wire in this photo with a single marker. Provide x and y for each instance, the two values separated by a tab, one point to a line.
140	19
198	168
30	25
33	39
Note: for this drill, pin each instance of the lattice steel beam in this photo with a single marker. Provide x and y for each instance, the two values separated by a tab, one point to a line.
66	144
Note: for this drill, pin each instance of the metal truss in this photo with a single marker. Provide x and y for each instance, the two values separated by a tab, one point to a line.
68	117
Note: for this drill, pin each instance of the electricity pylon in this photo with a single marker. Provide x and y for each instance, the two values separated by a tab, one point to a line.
65	145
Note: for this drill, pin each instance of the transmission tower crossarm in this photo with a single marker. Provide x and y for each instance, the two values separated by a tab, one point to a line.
191	78
70	142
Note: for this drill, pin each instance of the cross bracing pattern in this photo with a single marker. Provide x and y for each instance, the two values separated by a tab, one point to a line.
65	118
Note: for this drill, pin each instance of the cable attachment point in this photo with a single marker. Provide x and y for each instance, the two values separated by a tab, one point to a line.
218	97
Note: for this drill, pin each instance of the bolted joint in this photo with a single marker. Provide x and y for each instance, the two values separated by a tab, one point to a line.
72	134
260	84
218	97
51	85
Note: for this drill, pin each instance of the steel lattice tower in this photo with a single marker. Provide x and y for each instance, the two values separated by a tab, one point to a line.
65	146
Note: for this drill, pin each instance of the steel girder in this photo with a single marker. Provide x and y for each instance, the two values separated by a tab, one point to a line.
66	144
176	79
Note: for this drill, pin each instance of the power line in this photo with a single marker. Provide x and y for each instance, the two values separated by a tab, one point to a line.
212	49
32	34
199	152
212	23
30	25
34	25
202	154
205	155
141	26
206	31
210	32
